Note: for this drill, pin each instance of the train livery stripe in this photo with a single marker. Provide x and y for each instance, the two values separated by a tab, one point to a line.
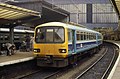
80	47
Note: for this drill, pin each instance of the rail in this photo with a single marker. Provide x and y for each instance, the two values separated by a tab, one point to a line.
105	72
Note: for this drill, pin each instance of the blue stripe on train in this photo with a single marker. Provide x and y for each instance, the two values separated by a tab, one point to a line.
70	47
86	48
80	47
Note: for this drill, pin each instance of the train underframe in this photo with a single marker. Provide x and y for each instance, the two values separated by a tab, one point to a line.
50	61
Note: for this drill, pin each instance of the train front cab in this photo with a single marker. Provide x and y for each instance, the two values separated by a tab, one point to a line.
51	47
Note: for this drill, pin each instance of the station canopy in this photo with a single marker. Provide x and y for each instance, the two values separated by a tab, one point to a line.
10	14
49	12
116	4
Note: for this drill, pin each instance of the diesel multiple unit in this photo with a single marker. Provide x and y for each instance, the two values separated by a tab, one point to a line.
59	44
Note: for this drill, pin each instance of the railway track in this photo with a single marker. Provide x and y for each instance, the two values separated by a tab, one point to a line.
43	73
97	70
40	74
100	69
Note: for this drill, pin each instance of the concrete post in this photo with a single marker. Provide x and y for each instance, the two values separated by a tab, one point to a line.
11	35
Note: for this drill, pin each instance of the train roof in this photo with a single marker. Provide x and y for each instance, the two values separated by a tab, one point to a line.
16	30
70	26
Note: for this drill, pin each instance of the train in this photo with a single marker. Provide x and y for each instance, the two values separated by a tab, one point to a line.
58	44
19	36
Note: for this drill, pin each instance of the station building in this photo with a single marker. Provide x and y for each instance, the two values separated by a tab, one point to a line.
91	13
98	14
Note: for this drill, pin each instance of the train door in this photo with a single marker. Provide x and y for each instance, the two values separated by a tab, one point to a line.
71	41
74	40
73	58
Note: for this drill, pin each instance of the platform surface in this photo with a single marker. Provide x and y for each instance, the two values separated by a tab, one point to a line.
115	73
16	58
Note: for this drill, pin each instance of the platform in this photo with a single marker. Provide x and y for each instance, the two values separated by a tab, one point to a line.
115	72
16	58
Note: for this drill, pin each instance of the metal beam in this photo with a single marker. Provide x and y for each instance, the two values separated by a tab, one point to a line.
115	6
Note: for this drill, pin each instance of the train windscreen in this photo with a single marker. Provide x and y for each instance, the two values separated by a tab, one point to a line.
50	35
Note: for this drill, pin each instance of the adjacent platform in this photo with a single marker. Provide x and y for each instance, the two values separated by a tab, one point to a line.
16	58
115	73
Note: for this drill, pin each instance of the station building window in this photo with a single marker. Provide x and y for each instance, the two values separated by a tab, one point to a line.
77	11
104	13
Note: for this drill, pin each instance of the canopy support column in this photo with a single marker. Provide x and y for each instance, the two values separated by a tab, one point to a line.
11	35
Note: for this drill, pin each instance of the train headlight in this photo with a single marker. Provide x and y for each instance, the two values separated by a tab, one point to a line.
62	50
36	50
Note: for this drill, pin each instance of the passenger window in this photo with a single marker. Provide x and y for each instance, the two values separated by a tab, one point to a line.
92	37
81	36
78	36
87	36
84	37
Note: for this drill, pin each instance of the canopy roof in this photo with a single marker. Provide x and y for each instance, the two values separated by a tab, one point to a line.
12	14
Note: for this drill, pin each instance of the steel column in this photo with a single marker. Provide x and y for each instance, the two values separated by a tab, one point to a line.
89	13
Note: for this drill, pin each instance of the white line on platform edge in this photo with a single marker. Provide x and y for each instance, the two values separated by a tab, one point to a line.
16	61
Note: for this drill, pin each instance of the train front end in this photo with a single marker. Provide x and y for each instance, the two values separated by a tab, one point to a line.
50	46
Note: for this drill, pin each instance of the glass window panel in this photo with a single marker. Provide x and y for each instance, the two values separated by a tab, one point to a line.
104	13
59	35
40	35
49	35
